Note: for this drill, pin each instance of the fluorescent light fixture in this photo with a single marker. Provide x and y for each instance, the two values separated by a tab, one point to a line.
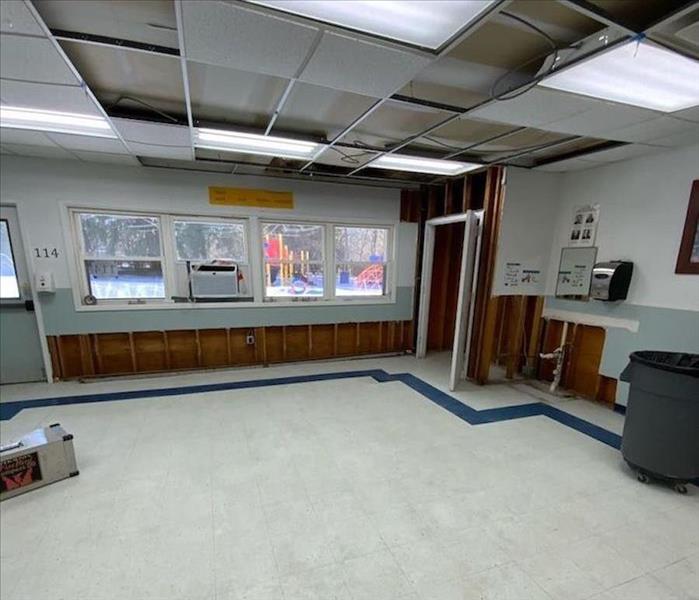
414	164
251	143
424	23
58	122
636	73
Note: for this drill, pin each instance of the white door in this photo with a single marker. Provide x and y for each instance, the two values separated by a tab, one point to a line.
465	300
21	358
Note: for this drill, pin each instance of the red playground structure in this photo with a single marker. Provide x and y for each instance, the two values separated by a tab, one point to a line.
371	277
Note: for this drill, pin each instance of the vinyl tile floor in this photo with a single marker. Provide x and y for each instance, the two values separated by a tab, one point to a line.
338	490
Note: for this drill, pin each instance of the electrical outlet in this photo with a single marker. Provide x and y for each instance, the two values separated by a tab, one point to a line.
250	339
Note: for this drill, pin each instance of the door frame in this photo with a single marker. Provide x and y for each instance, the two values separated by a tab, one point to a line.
466	297
32	295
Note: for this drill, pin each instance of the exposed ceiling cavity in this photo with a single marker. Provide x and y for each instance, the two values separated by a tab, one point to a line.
158	69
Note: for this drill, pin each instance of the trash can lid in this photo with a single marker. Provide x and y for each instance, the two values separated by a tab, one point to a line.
676	362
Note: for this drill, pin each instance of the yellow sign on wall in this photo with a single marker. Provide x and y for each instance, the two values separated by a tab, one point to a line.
250	197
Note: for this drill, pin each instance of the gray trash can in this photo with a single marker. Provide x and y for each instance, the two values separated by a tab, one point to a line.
661	431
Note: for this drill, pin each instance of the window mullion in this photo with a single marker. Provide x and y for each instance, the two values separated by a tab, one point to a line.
167	241
329	263
82	270
256	259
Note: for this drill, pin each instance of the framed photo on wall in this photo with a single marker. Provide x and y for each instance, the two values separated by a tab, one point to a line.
688	256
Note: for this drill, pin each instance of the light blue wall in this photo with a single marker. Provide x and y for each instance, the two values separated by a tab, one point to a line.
19	339
60	316
659	329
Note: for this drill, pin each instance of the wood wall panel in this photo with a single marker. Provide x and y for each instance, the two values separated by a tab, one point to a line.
149	347
99	354
346	339
115	354
606	392
584	347
213	345
583	375
274	344
68	347
369	338
297	342
183	349
322	341
242	353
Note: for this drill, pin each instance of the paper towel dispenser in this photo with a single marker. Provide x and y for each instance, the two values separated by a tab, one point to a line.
611	280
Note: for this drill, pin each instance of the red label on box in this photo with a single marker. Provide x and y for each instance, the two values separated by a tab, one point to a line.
19	471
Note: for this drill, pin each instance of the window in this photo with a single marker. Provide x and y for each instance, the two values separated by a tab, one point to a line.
204	241
122	255
9	284
360	261
293	260
161	258
210	241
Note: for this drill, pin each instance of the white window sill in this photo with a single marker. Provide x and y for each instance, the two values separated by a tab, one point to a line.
218	305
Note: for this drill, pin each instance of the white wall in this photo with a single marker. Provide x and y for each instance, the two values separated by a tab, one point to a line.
39	187
643	205
528	216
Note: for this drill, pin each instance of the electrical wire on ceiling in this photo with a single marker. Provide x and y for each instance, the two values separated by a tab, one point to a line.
553	53
349	158
157	111
441	143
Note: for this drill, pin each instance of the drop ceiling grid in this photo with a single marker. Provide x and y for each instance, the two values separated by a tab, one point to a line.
115	72
320	110
342	66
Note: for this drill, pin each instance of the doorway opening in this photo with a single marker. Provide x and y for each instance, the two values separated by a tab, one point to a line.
448	292
21	354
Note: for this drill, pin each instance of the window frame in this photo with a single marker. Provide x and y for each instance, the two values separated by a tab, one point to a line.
209	220
388	262
82	256
21	295
252	221
324	262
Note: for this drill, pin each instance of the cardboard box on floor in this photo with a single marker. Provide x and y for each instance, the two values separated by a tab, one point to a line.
37	459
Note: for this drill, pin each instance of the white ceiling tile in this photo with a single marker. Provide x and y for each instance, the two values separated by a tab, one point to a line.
39	151
15	17
600	118
176	152
63	98
536	107
33	59
571	164
222	34
648	131
145	132
106	157
687	137
620	153
688	114
25	136
344	63
88	143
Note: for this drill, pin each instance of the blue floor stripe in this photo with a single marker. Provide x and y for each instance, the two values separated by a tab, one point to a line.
442	399
447	402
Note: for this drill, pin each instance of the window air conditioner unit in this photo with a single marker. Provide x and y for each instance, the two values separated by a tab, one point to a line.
214	281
